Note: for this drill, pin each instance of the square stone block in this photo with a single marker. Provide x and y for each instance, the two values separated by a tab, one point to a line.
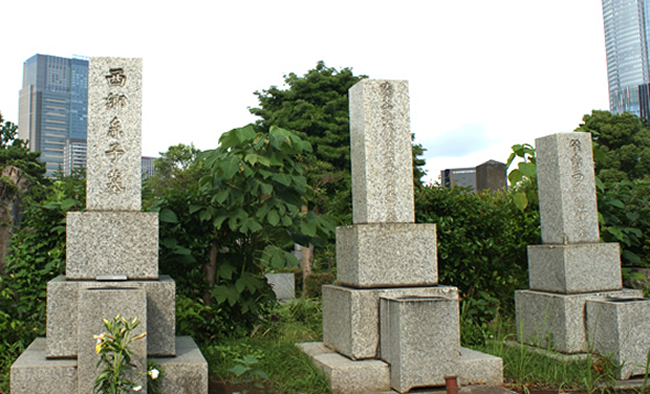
621	328
420	339
187	373
96	304
33	373
63	304
386	255
381	154
567	189
112	243
283	285
347	376
351	316
575	268
557	321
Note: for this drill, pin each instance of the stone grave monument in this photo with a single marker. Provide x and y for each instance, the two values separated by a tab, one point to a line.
576	301
111	259
387	323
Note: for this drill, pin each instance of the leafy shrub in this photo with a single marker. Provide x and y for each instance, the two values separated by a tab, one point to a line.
482	240
624	215
314	281
37	255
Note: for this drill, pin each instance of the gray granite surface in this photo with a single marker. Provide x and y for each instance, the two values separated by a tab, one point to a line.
351	316
621	329
386	255
557	321
114	134
187	373
112	243
96	304
63	302
283	285
575	268
32	373
567	189
381	152
420	340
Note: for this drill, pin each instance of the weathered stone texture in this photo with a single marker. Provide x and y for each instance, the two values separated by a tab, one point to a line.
381	152
386	255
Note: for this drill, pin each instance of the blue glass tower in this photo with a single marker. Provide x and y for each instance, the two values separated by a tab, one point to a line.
627	33
53	106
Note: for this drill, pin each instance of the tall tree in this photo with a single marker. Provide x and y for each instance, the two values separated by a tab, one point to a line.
315	106
20	169
621	145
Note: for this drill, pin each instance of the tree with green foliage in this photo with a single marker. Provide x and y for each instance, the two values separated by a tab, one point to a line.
240	220
621	145
177	168
316	107
21	173
37	255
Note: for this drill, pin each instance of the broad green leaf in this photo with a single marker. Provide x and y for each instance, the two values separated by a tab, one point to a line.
616	203
273	218
226	271
308	229
167	216
245	133
528	169
205	215
631	257
229	166
514	177
283	179
266	188
520	200
221	196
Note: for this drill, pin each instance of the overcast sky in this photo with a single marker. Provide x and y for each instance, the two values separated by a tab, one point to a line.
483	75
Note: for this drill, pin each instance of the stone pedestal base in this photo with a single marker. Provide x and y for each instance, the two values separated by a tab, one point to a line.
576	268
187	373
420	340
62	312
386	255
351	316
621	328
111	243
557	321
368	376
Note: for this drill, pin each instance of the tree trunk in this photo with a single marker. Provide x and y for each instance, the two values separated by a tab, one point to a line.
10	209
210	271
306	257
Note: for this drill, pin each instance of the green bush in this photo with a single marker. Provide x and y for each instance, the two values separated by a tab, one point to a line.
37	255
314	281
482	240
624	215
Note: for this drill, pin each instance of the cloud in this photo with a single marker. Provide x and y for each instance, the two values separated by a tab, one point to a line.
467	139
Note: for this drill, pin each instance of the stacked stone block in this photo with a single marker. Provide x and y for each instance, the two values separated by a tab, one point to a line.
387	278
111	260
571	269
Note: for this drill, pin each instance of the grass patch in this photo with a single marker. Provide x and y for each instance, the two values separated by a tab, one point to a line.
273	347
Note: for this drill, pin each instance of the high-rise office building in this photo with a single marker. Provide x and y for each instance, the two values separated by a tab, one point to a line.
627	33
53	106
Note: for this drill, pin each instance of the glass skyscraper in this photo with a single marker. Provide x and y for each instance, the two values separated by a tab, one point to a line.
53	106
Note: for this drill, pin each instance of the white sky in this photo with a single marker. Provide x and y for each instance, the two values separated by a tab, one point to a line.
483	75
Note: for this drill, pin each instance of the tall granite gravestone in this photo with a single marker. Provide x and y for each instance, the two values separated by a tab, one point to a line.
388	323
571	268
111	259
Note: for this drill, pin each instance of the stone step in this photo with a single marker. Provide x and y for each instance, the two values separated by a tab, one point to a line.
367	376
187	373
